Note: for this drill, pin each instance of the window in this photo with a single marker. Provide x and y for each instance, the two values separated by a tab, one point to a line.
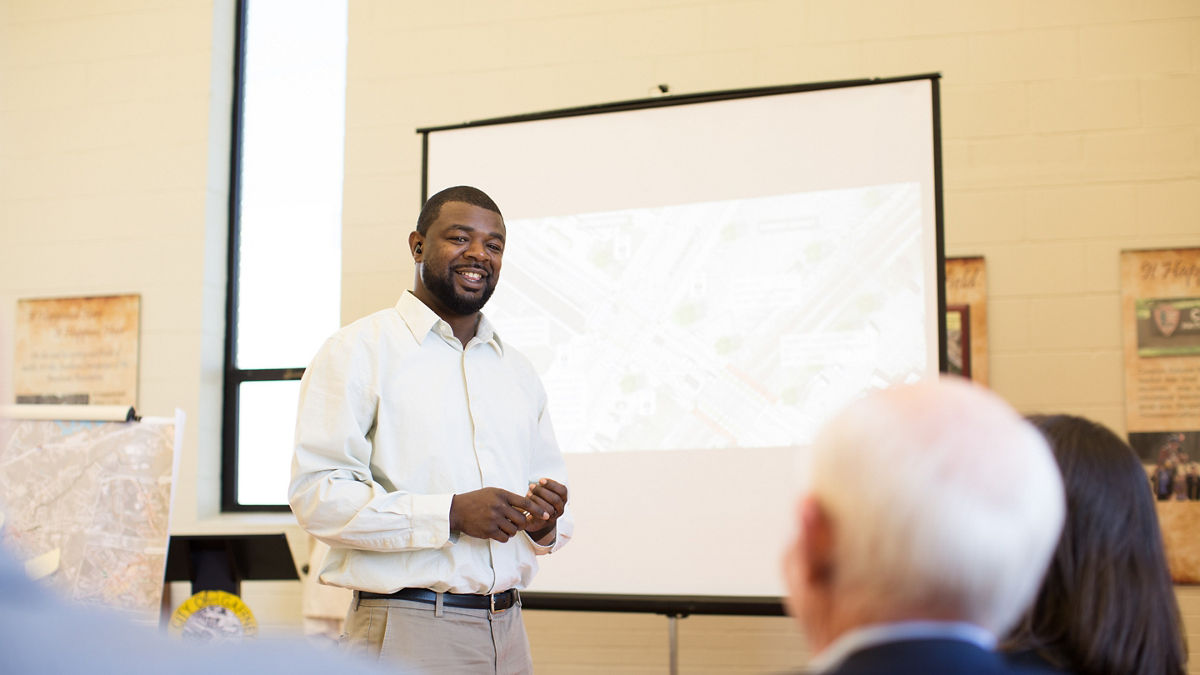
285	232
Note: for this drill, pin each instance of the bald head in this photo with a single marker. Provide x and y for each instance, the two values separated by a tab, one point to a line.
940	501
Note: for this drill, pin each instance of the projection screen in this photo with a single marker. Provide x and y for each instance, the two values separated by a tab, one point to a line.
701	281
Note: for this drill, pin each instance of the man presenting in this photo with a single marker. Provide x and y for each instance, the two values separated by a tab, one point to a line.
425	458
920	573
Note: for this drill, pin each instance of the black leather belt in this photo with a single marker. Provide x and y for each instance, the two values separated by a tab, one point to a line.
497	602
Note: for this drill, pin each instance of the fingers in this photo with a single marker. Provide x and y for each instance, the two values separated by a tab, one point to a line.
507	521
515	511
553	486
549	498
495	513
517	501
541	509
523	508
546	506
504	530
490	513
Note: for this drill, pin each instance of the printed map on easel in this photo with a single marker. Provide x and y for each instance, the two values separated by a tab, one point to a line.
87	506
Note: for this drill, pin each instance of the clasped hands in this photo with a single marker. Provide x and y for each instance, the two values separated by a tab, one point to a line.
495	513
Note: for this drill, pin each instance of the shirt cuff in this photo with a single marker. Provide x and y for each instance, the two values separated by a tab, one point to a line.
540	549
431	520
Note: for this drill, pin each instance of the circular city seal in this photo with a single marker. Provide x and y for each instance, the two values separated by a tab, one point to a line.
214	616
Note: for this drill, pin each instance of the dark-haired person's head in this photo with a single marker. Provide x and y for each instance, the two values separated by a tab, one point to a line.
1107	604
459	193
458	250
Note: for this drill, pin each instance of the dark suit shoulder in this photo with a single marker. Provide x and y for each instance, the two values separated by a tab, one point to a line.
1034	663
931	656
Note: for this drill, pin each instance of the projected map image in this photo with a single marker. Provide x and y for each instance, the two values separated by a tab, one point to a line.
742	323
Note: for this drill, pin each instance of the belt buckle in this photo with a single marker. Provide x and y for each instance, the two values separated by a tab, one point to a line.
492	602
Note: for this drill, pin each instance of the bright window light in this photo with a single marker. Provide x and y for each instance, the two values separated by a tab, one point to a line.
288	236
293	131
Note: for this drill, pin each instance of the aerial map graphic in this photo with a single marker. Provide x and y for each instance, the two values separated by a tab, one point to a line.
87	505
741	323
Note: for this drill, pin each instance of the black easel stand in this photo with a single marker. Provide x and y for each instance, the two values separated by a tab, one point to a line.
221	562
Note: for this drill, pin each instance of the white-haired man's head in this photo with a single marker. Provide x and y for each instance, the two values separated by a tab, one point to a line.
929	501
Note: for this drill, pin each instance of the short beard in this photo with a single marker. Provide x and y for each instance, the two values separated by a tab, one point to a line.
443	289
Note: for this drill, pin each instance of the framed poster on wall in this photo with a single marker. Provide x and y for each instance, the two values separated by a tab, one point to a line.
966	303
958	340
1160	316
77	351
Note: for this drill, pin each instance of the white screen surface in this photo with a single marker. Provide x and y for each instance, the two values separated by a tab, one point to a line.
700	286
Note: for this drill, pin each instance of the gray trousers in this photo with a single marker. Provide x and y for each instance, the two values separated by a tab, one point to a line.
414	637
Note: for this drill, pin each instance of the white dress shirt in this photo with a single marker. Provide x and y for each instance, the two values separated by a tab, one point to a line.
395	418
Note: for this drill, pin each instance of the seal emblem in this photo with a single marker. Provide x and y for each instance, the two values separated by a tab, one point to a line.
214	616
1166	318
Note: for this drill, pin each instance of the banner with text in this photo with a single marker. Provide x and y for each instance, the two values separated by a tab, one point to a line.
1160	311
79	351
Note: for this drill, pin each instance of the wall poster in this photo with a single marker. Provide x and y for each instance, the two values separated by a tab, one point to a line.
958	340
81	351
966	309
1160	313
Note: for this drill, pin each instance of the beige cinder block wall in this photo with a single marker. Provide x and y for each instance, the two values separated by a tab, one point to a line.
1071	130
114	137
114	165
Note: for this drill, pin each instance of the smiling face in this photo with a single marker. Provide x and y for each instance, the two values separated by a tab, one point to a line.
458	259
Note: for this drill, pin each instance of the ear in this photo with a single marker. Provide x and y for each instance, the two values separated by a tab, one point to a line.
816	541
416	245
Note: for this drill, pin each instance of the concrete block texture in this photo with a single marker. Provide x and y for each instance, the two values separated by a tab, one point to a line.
1071	131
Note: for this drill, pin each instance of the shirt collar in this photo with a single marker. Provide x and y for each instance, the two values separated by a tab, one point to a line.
871	635
421	321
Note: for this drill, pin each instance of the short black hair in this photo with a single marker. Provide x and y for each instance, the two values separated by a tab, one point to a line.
459	193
